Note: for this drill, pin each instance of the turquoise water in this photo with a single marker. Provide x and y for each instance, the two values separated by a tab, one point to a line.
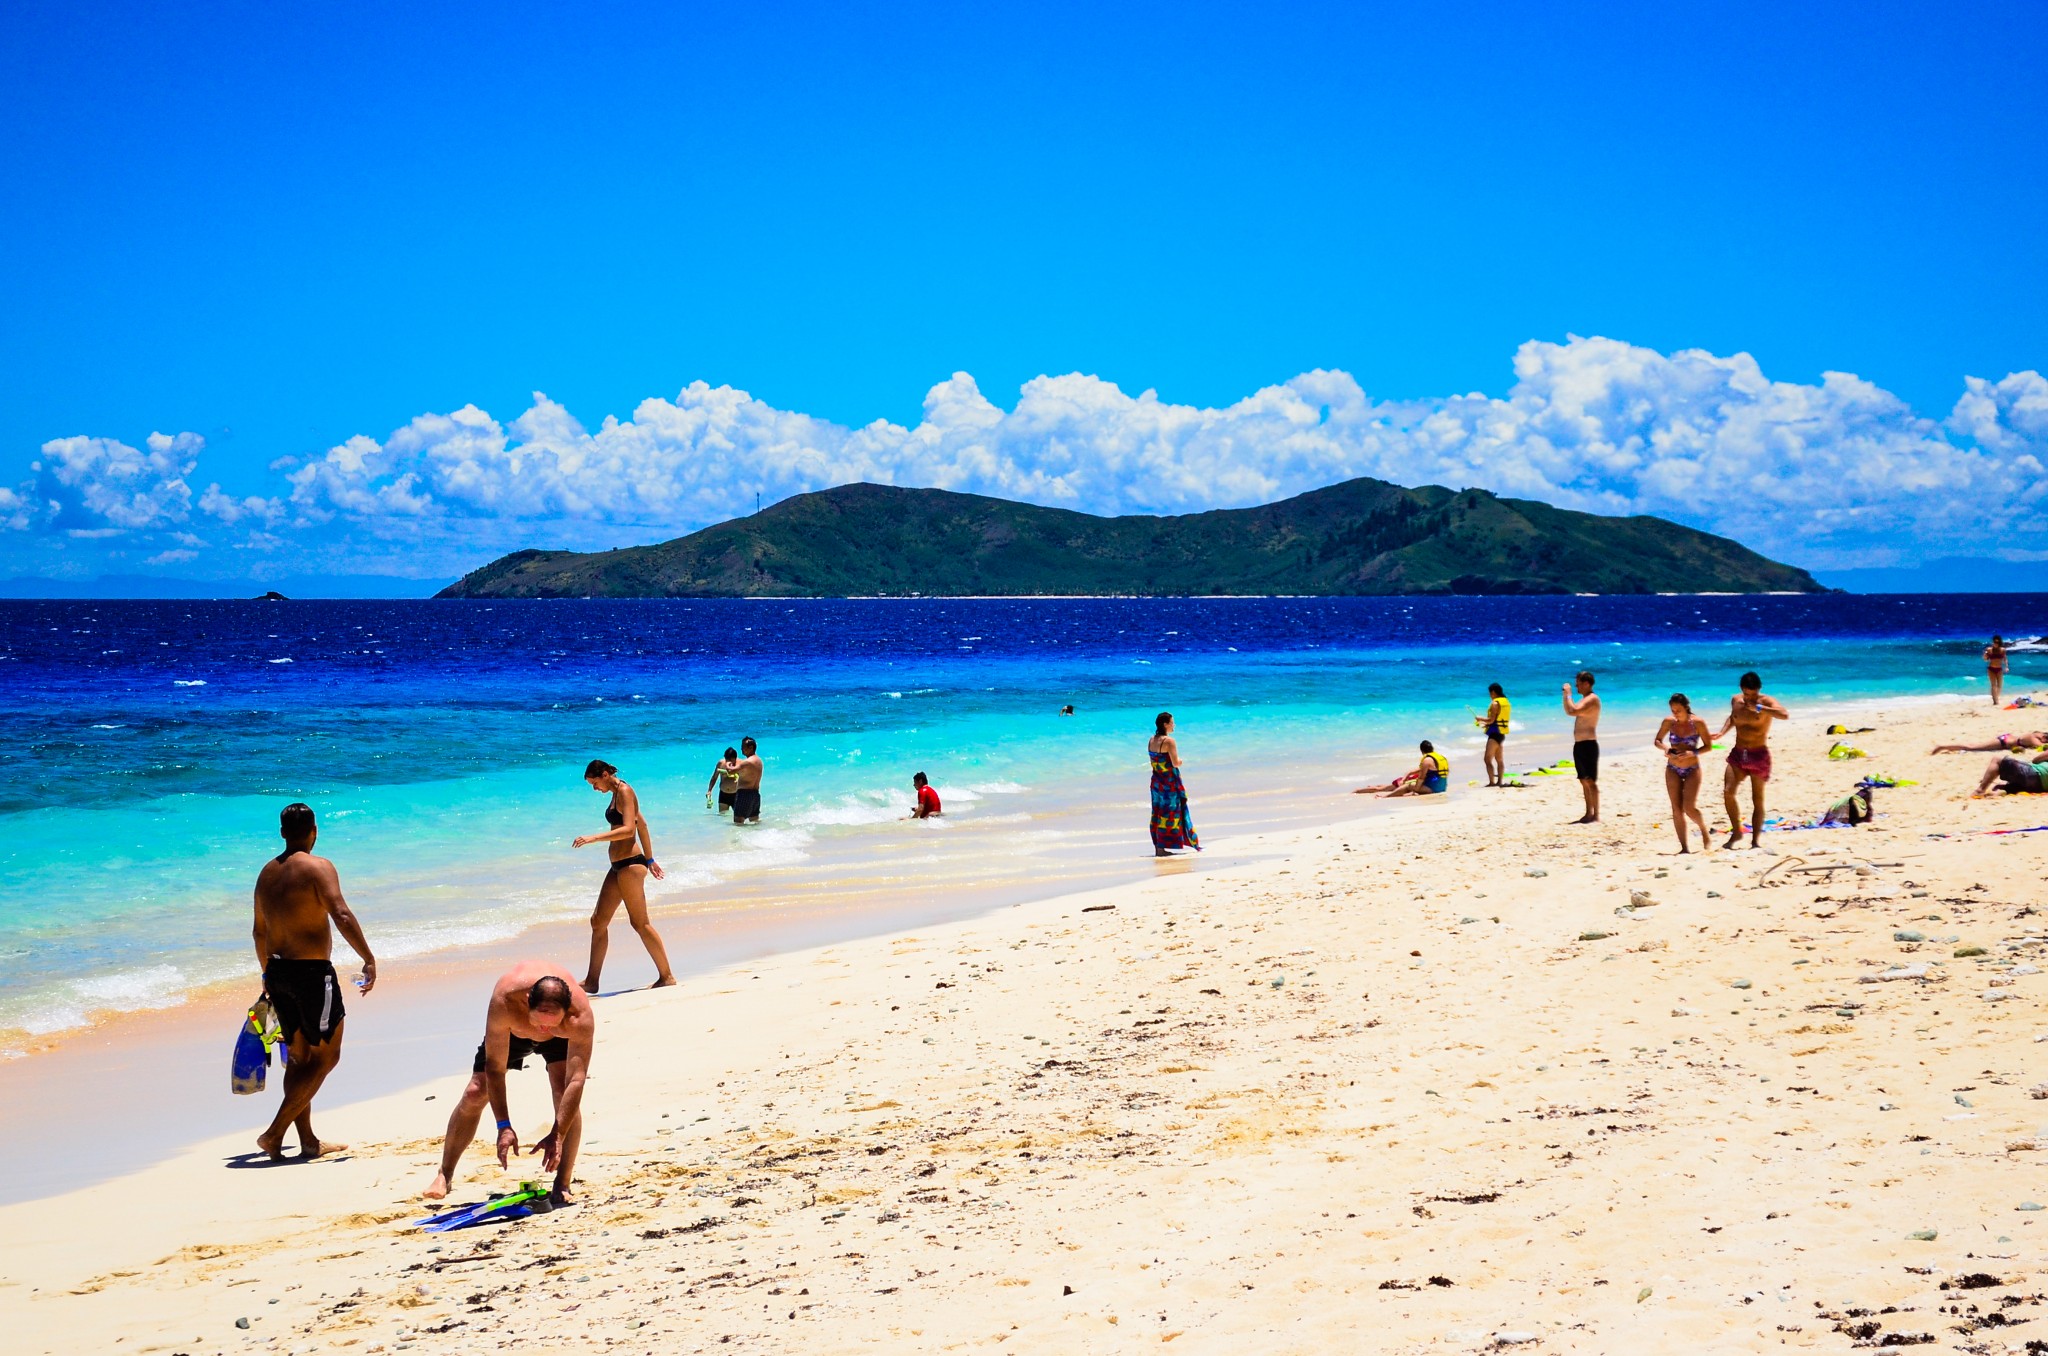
152	744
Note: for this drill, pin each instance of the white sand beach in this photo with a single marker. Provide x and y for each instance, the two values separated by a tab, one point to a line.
1420	1080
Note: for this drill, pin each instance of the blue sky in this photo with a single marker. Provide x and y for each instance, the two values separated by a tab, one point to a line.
274	230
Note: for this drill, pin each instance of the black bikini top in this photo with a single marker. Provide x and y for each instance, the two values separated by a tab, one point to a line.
613	817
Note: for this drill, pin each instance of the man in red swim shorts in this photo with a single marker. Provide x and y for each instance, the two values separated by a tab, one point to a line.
1750	715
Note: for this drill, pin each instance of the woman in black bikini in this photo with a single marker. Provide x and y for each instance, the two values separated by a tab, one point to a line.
627	878
1681	737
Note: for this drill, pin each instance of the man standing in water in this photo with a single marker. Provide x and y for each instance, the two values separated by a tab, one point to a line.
725	776
746	795
1750	716
535	1009
298	905
1585	714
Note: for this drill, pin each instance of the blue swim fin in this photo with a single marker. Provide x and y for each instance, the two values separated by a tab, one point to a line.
512	1206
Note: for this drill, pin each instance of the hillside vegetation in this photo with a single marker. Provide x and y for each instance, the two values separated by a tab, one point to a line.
1360	537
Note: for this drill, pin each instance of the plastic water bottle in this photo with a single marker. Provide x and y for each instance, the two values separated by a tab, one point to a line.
362	980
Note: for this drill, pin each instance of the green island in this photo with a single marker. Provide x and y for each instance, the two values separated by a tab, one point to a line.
1360	537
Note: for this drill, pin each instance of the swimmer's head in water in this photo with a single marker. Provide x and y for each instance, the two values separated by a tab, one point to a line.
747	746
1680	704
1493	690
1585	680
1752	683
547	1002
1428	747
598	770
917	779
1162	722
295	823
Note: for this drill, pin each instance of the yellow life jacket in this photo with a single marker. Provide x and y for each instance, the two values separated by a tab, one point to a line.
1505	707
1443	764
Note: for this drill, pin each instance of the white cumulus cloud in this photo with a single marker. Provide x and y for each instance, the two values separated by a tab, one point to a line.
1837	472
104	483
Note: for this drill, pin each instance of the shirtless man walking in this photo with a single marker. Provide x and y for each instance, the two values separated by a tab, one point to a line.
1750	715
535	1009
746	796
1585	714
298	904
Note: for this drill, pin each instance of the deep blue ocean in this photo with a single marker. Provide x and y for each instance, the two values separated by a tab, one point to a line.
148	745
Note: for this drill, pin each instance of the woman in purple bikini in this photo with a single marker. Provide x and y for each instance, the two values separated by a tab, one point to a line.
1681	737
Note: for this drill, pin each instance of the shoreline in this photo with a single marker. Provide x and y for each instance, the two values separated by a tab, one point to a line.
177	1053
433	999
1371	1059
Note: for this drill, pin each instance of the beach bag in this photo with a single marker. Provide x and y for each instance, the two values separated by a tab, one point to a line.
250	1065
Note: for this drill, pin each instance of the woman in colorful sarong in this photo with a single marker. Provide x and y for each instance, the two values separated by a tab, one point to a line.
1171	827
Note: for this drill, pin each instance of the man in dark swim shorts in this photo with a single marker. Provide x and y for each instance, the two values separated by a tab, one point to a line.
746	796
536	1009
725	776
1585	713
298	906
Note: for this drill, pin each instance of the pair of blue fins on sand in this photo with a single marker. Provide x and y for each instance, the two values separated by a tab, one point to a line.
250	1068
514	1205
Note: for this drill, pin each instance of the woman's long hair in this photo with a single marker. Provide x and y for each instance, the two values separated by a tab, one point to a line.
1160	722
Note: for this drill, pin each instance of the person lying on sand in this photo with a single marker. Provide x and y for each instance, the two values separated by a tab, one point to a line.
1431	777
298	906
535	1009
2016	776
2031	739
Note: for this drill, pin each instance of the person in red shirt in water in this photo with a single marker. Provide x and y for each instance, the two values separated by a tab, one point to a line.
927	799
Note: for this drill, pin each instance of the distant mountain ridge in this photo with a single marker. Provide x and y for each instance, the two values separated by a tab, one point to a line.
167	587
1359	537
1949	574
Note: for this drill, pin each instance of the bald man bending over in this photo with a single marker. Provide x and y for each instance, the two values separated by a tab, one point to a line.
535	1009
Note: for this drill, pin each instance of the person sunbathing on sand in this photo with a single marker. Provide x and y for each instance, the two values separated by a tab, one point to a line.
1431	777
2016	775
536	1009
2032	739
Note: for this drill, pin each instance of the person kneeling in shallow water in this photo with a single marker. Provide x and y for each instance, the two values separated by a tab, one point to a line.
927	806
535	1009
1431	777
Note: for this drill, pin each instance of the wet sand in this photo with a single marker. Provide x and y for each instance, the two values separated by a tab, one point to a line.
1406	1083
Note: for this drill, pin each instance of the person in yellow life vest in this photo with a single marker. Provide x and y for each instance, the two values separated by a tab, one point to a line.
1431	777
1495	722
